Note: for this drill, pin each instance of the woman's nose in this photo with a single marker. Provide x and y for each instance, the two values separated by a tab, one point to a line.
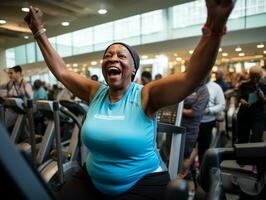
114	57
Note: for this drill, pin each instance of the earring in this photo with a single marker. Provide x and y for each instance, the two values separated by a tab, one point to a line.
134	72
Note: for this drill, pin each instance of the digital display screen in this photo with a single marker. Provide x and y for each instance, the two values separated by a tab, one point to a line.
167	114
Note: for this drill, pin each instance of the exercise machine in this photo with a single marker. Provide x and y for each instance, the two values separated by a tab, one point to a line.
16	106
217	182
68	159
19	178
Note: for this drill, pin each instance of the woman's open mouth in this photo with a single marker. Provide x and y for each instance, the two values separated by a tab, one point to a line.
113	72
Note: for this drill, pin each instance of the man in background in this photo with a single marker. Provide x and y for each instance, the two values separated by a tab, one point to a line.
17	86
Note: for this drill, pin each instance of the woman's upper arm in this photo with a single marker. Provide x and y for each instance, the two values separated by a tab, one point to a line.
164	92
80	86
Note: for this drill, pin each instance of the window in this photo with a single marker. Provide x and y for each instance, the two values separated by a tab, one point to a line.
82	41
64	44
20	55
103	33
189	14
10	57
152	22
128	27
30	51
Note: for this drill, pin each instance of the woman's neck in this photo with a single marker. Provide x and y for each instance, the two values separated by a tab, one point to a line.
116	94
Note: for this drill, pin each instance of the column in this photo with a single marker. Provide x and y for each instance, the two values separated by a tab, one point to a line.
3	75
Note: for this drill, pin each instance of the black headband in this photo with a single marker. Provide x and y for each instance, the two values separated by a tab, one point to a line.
133	53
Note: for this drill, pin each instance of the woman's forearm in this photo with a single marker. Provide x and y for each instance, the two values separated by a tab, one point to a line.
203	58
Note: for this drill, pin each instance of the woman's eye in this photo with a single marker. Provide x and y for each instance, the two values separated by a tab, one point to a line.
107	56
122	56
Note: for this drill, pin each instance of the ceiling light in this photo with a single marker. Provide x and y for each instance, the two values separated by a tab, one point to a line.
264	51
241	54
93	62
191	51
75	64
224	54
220	49
178	59
25	9
102	11
68	65
260	46
101	61
144	57
2	21
65	23
26	37
238	49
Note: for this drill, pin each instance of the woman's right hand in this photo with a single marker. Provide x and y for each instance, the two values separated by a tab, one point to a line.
34	19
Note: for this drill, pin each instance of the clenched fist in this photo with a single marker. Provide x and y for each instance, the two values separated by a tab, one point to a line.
218	12
34	19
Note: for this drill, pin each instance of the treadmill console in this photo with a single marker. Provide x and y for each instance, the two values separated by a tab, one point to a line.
167	114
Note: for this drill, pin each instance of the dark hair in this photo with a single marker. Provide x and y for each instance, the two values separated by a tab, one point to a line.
158	76
37	84
133	53
16	68
94	77
146	74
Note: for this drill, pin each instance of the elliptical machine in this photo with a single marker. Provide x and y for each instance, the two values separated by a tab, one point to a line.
68	159
217	182
16	105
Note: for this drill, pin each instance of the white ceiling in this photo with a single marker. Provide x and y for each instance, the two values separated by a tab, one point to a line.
83	13
80	14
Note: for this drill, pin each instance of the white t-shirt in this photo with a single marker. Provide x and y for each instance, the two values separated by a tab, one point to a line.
216	102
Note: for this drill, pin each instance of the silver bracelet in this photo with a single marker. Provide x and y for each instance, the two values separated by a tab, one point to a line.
39	32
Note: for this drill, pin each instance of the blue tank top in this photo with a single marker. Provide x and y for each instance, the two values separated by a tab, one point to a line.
121	140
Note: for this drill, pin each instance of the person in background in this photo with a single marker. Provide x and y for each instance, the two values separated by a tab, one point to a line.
17	86
39	93
241	77
53	92
194	106
262	82
38	90
158	76
219	76
250	117
120	126
95	77
145	77
216	105
262	96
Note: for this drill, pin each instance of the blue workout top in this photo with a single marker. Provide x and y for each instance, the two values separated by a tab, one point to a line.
121	141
